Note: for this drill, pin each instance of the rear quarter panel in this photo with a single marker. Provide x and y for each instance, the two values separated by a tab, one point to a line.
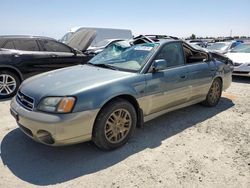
223	71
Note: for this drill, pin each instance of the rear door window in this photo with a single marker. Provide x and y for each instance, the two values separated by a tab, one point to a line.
9	45
194	56
53	46
26	45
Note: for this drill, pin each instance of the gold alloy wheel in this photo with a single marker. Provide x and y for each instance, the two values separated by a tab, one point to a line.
118	126
215	92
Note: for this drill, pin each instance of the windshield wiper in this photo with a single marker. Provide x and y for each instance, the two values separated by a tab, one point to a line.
102	65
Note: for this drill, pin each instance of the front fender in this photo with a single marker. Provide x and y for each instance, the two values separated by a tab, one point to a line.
97	97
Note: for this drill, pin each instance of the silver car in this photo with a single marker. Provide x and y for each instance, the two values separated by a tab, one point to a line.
117	91
223	47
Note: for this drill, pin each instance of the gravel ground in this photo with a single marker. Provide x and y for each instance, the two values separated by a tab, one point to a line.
192	147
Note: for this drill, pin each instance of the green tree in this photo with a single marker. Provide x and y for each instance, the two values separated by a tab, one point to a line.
193	36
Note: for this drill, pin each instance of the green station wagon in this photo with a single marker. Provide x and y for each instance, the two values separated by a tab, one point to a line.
118	90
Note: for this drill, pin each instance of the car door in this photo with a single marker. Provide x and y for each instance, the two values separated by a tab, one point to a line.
61	55
168	87
29	57
200	70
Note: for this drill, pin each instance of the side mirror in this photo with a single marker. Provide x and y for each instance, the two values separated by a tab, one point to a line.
159	64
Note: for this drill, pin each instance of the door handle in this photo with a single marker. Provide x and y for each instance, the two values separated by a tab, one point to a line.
15	55
54	55
183	76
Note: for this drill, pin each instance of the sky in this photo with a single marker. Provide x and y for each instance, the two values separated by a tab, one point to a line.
181	18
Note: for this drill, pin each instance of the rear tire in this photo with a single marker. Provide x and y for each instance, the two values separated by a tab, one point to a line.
9	84
114	125
214	93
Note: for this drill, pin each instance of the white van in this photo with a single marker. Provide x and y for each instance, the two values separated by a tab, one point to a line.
93	36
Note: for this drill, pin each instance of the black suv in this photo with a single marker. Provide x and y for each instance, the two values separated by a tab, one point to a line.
25	56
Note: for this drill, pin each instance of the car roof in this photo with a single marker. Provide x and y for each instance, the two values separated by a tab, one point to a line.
24	37
163	41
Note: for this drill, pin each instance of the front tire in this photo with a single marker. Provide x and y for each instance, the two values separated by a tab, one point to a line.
214	93
114	125
9	84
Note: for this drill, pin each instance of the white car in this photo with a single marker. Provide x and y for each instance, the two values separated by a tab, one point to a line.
223	47
240	56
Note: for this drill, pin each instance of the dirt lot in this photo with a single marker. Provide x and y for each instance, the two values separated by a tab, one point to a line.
191	147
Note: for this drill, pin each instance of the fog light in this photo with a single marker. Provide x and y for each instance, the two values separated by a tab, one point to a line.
45	137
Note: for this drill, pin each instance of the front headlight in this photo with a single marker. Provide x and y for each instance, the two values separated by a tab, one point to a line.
57	104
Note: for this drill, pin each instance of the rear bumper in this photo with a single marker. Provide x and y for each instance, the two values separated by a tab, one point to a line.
54	129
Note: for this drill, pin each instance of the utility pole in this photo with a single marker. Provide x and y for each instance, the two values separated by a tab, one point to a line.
231	33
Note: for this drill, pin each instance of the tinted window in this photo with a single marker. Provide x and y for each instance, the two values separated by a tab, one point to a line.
172	53
52	46
9	45
26	45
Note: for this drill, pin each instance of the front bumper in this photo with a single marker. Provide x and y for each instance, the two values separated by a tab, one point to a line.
242	70
54	129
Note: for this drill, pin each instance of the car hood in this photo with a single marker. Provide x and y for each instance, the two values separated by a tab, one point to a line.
239	57
70	81
82	39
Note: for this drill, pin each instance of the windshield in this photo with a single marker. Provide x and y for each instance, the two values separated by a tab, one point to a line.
241	48
122	55
219	46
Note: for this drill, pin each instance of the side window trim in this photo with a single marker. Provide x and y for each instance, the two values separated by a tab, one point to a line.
39	49
40	46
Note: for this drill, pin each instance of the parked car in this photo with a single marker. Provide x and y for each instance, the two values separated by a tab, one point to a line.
198	42
98	34
118	90
223	47
24	56
240	56
216	55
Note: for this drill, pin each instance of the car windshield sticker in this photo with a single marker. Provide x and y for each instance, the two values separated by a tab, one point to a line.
145	48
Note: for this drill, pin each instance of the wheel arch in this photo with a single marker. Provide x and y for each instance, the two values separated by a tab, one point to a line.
13	70
132	100
220	78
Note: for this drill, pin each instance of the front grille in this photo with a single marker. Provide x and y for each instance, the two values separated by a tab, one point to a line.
237	64
24	100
